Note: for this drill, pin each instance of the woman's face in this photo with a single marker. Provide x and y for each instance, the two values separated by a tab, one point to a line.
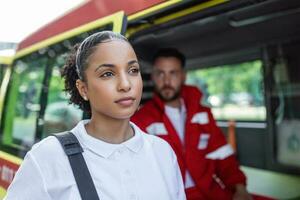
114	84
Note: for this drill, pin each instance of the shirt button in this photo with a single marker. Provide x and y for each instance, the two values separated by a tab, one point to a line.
120	151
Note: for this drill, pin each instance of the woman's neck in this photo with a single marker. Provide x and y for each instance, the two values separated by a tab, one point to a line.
110	130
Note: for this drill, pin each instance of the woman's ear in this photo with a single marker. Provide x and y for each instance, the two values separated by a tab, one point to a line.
82	89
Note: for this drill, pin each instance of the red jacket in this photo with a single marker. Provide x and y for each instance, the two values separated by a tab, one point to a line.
205	153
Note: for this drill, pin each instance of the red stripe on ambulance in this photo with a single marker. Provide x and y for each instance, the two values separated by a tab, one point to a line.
7	172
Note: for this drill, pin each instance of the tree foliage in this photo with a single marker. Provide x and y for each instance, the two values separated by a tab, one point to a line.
229	79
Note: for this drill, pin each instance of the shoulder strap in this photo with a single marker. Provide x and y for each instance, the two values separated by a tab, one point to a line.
81	173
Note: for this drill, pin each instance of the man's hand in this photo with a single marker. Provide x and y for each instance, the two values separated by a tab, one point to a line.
241	193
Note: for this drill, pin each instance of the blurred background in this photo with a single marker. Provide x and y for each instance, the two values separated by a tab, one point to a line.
242	54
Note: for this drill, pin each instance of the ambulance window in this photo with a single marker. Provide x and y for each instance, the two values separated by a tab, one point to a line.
234	92
22	105
285	107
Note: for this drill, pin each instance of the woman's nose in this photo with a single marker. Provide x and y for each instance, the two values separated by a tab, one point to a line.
124	83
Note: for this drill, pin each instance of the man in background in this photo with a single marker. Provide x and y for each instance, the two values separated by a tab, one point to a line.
208	164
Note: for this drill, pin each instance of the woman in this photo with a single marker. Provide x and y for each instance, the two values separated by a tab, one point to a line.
103	78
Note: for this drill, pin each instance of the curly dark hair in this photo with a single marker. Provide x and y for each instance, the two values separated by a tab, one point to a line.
77	63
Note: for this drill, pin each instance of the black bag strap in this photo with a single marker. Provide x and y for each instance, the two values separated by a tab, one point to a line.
81	173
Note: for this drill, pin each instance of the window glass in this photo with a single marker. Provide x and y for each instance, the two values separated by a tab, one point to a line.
285	106
234	92
2	71
23	101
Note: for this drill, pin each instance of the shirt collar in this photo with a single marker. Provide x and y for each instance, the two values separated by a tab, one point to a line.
182	109
105	149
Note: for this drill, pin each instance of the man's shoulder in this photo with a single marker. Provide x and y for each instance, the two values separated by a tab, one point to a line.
148	106
203	108
147	112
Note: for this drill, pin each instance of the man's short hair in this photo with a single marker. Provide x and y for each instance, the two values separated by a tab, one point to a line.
169	52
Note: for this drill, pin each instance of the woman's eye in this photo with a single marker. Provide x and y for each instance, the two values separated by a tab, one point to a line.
107	74
134	70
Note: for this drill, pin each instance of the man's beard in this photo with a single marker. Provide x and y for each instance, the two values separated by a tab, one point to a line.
169	98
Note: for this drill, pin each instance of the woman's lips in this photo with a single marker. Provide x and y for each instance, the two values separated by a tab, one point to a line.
128	101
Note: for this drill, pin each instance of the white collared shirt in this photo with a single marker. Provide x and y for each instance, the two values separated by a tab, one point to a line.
178	117
143	167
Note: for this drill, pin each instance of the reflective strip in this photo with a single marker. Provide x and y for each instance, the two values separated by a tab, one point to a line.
157	128
203	141
189	182
221	153
200	118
